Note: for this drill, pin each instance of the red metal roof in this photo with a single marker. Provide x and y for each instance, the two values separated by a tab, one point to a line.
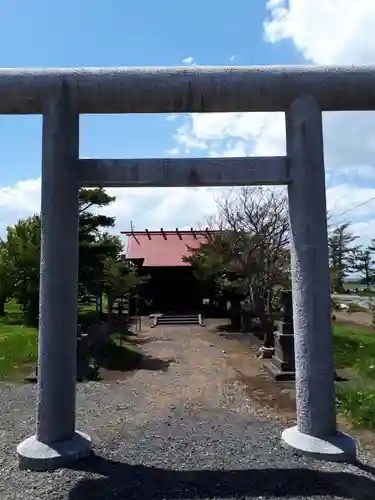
162	248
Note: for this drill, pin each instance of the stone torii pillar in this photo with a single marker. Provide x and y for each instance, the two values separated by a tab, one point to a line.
56	440
316	433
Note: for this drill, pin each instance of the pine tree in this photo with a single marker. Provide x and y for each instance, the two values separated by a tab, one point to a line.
20	253
363	263
341	253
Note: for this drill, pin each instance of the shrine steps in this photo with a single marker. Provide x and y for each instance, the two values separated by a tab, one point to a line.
177	320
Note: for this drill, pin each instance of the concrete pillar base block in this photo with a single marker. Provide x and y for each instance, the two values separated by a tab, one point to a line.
37	456
337	448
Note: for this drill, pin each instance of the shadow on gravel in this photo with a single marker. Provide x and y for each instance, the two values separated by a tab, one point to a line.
122	358
155	364
123	481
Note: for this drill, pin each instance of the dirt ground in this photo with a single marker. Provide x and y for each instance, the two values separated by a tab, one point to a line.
276	398
358	318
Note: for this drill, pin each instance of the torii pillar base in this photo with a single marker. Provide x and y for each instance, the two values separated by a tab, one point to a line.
337	448
37	456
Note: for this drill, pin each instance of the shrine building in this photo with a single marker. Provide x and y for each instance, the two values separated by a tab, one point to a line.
172	287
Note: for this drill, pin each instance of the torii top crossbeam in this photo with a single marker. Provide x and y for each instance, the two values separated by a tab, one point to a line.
198	89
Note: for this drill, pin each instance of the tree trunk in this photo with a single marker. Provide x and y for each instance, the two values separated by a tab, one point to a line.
266	325
31	312
120	307
235	314
2	307
110	305
265	320
247	321
269	338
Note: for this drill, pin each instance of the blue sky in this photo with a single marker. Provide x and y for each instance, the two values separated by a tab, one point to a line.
165	33
121	33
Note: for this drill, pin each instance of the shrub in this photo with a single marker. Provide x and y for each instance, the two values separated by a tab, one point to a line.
353	308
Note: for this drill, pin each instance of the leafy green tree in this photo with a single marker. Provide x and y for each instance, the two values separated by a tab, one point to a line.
341	250
371	246
95	244
210	263
120	278
6	277
363	263
22	251
212	267
333	276
371	249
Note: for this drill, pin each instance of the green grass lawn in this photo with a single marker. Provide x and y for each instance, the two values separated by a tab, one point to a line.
354	349
18	343
19	349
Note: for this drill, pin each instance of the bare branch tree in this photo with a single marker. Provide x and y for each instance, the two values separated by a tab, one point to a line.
257	218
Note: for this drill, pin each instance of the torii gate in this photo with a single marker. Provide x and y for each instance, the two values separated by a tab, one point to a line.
302	93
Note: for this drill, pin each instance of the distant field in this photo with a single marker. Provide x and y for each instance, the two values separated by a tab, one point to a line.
352	285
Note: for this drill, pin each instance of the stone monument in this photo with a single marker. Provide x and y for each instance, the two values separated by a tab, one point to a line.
283	364
87	369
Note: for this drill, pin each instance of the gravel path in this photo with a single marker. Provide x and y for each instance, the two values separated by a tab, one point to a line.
183	430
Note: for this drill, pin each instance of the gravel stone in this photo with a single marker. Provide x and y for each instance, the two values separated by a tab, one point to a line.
186	431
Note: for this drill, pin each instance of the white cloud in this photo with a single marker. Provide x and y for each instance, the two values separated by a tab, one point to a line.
18	201
146	207
338	33
348	136
329	32
342	198
188	60
357	175
24	196
259	133
366	229
180	207
173	151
